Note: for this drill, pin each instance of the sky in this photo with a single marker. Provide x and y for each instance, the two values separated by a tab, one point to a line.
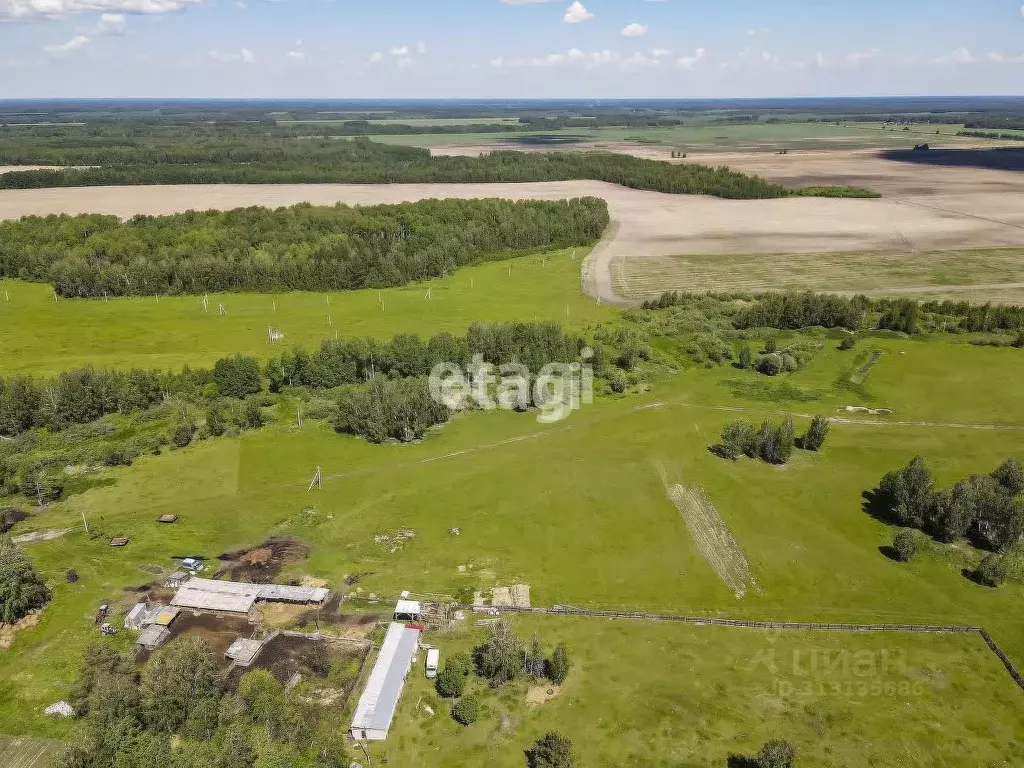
509	48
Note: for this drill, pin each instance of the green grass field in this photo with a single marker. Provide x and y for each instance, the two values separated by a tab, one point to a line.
578	510
38	335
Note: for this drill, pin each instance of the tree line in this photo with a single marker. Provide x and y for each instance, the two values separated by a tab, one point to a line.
302	247
271	161
796	310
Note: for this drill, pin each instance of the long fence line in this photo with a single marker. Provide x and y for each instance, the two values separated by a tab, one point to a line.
700	621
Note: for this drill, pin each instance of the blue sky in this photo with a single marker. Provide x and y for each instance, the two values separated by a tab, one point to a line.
509	48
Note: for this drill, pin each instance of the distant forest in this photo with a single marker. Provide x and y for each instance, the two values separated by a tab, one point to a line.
195	155
303	247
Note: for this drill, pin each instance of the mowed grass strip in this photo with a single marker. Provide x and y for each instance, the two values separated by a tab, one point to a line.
27	752
647	694
41	336
974	274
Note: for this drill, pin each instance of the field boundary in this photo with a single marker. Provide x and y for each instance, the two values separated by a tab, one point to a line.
700	621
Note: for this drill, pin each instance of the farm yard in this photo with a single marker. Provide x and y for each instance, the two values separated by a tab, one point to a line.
626	505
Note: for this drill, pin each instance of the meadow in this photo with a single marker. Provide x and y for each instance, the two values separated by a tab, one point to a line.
579	510
41	336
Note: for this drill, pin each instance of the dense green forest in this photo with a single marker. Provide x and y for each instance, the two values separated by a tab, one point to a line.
247	158
302	247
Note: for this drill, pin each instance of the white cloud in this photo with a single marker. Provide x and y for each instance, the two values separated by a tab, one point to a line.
75	43
820	60
421	48
112	23
243	56
376	56
689	62
660	53
576	13
297	56
22	10
1002	58
634	30
856	58
760	32
405	62
400	50
241	5
574	57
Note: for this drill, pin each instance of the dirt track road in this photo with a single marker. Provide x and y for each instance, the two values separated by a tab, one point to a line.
927	209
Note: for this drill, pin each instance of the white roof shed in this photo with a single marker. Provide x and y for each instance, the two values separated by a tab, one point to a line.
377	704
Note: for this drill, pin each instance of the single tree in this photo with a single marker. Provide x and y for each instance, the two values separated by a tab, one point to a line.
500	657
558	667
21	589
1010	475
815	435
451	681
746	357
992	570
905	546
736	439
907	493
848	342
552	750
770	345
535	663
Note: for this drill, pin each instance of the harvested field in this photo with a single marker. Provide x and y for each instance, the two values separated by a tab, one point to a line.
974	274
713	538
926	209
260	565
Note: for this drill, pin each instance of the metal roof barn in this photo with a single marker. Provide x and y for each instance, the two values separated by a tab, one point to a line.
237	597
377	704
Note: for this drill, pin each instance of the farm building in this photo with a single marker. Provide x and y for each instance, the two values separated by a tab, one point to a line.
408	610
379	699
237	597
153	637
244	651
143	615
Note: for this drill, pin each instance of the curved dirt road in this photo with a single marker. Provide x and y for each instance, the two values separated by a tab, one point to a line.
643	223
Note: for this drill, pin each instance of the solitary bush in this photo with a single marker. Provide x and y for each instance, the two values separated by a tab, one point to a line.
182	435
992	570
466	710
552	750
746	357
451	681
905	546
769	364
776	753
815	435
848	342
558	666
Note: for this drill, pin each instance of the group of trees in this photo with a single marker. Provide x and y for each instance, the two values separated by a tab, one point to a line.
382	409
771	442
302	247
793	311
129	719
22	590
772	361
989	509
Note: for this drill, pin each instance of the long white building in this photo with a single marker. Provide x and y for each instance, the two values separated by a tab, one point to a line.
377	704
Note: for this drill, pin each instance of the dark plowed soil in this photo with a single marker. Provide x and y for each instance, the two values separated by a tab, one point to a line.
219	631
261	564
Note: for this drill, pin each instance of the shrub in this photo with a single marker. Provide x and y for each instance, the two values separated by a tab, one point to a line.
182	434
905	546
466	710
215	421
992	570
770	346
451	680
1010	475
769	364
254	418
552	750
776	753
848	342
21	589
746	357
500	657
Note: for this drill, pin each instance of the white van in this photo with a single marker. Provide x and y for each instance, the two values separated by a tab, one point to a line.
433	659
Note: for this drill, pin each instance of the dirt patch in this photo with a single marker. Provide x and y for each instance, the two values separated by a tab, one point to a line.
541	694
516	596
355	625
286	655
36	536
261	564
219	631
712	537
8	631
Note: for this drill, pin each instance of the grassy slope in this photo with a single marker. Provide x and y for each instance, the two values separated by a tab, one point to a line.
40	336
577	509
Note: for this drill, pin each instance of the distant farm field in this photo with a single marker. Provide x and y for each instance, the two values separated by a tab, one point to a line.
27	752
978	274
